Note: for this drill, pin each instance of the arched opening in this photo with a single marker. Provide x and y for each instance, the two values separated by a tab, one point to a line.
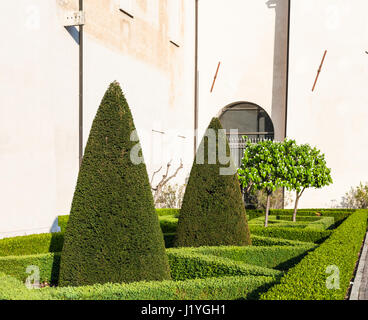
251	121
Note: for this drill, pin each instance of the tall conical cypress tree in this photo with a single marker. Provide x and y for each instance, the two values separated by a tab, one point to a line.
213	212
113	233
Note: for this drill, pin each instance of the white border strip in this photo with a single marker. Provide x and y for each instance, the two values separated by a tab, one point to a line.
359	275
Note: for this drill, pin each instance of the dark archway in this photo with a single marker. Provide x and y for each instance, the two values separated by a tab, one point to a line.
251	121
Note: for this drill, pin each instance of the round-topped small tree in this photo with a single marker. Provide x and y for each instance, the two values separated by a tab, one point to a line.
263	168
113	233
306	168
213	211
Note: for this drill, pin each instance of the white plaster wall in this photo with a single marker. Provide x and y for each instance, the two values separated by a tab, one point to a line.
39	92
149	92
333	117
241	34
38	116
39	99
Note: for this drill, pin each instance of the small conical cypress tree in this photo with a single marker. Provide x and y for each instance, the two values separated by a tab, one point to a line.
213	212
113	233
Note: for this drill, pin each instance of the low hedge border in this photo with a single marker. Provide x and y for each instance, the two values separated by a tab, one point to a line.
32	244
62	222
303	235
173	213
306	222
276	220
47	242
168	212
189	265
13	289
298	219
277	223
307	280
321	224
338	214
277	257
226	288
168	224
184	264
48	265
260	241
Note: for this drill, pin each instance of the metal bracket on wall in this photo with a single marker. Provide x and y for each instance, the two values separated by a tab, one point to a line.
319	70
74	18
157	131
216	74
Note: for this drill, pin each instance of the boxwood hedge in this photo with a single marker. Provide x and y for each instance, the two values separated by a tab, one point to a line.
168	219
48	265
321	224
338	214
276	257
308	279
189	265
268	242
184	263
44	243
226	288
32	244
62	222
298	219
13	289
310	223
168	224
304	235
174	213
168	212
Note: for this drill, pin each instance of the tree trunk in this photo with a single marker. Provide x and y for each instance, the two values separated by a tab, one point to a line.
298	195
267	208
296	206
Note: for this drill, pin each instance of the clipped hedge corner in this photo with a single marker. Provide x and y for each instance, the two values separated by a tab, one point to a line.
308	280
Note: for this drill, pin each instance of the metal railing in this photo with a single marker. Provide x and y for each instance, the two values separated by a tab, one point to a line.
237	145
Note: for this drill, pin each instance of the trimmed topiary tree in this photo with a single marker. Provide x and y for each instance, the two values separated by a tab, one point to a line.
113	233
306	168
213	211
263	168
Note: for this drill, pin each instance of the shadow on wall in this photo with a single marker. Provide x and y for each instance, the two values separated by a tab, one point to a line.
279	88
55	226
73	31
